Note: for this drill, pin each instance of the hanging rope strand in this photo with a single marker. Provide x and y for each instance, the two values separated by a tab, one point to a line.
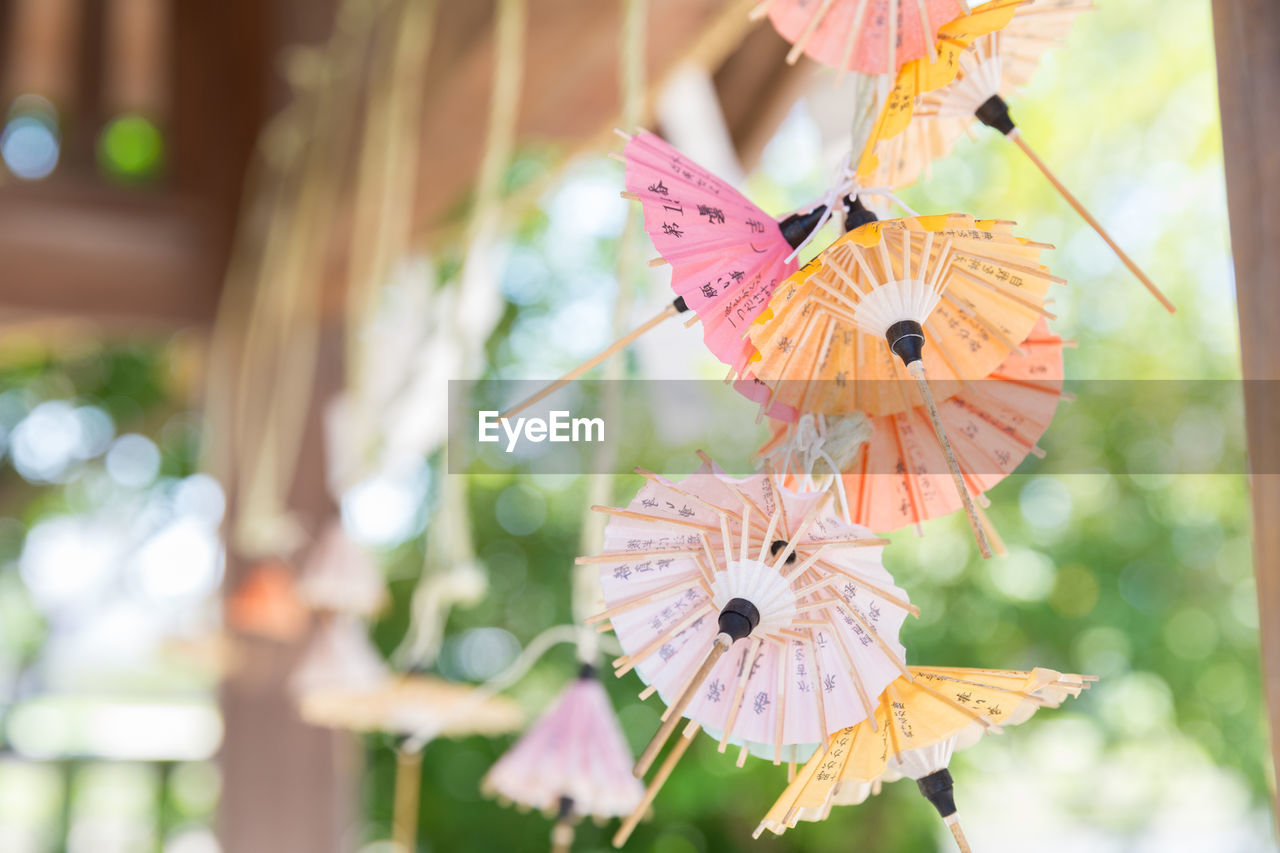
586	581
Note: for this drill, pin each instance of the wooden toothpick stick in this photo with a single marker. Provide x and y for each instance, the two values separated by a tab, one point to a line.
1016	136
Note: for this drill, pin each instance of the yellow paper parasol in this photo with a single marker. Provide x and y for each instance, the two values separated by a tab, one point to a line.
922	122
922	722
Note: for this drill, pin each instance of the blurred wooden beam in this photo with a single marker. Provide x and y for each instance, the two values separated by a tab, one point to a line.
1247	35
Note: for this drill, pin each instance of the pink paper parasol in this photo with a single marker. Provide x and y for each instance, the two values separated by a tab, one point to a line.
796	595
574	761
726	256
870	36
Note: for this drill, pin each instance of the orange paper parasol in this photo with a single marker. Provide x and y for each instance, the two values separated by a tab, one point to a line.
893	473
969	288
923	720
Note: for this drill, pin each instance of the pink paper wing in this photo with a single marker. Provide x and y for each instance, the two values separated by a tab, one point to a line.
726	254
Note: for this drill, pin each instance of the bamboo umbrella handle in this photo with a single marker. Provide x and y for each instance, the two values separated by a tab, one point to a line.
404	820
659	779
718	648
562	835
916	369
958	834
1016	136
613	348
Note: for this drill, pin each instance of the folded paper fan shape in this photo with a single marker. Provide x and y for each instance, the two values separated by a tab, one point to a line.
726	254
869	36
923	720
834	333
893	471
573	762
755	611
340	576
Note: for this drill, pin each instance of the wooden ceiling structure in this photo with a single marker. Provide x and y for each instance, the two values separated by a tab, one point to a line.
154	258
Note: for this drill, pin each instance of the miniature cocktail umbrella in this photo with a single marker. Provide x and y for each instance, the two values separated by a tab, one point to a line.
995	64
694	568
869	36
340	576
969	288
726	254
901	150
574	762
892	470
922	722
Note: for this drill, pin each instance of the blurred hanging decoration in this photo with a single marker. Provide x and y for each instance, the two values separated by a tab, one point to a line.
573	763
827	342
928	121
867	36
265	348
922	721
691	568
265	604
340	575
892	472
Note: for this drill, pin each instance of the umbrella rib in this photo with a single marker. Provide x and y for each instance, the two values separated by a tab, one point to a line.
781	706
768	534
626	663
654	519
817	669
871	587
739	693
801	530
876	638
1003	293
617	556
814	20
644	597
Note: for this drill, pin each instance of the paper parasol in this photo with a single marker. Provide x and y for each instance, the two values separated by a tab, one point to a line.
573	762
894	472
869	36
969	288
340	576
726	254
922	722
339	656
995	64
1004	58
693	567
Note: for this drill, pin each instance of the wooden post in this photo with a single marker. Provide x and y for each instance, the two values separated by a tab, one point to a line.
1247	34
287	785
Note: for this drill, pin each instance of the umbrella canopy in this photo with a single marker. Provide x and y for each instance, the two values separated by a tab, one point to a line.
923	720
1001	61
893	472
408	704
972	286
869	36
909	136
726	254
798	597
968	287
574	761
